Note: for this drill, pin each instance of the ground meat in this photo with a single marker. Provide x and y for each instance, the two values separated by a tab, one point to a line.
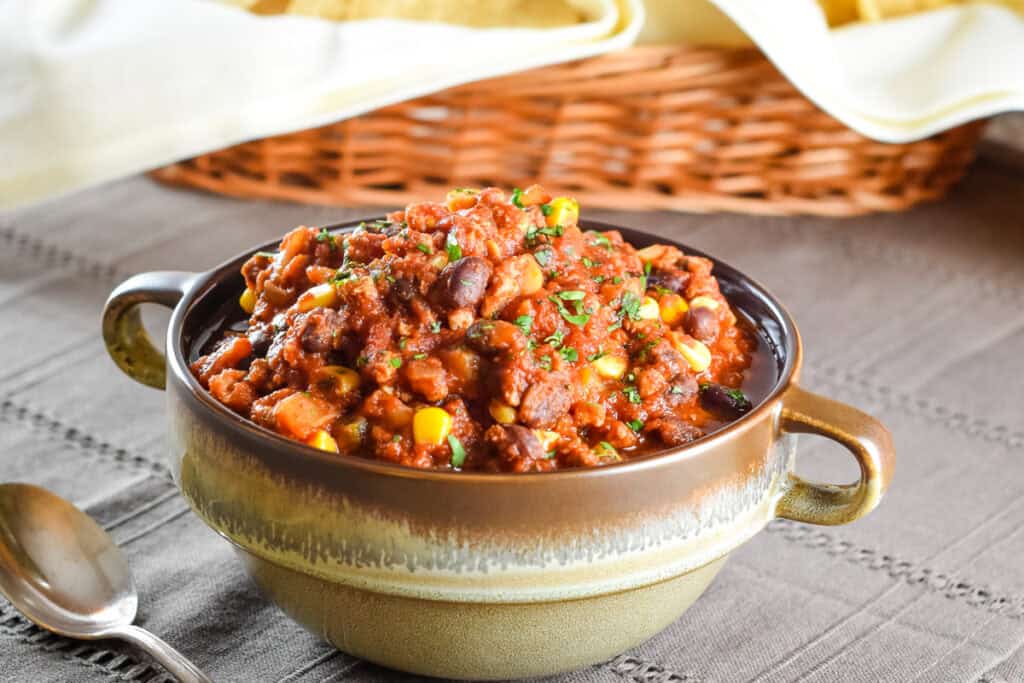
535	344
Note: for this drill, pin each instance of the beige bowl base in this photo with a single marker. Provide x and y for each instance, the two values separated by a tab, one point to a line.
464	640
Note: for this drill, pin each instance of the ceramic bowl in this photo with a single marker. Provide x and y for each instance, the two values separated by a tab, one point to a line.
488	576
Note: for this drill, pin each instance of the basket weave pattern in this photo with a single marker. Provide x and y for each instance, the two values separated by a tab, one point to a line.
695	129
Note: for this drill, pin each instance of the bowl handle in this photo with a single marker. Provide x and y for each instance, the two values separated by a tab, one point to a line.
863	435
127	341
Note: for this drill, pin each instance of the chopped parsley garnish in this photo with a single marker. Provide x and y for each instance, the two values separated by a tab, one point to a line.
402	342
571	295
342	276
635	425
390	278
647	268
632	394
630	306
579	318
544	362
598	279
361	361
608	450
600	240
451	245
435	326
543	256
555	339
594	356
552	274
643	280
553	231
395	362
424	248
397	438
569	354
549	454
616	280
517	197
546	209
325	236
676	389
588	263
419	356
458	452
524	323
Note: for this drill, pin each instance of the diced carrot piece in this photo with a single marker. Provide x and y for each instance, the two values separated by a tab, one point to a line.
301	414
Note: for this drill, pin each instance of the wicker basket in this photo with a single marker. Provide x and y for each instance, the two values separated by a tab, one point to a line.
647	128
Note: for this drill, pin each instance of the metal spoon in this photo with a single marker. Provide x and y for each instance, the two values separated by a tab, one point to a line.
62	571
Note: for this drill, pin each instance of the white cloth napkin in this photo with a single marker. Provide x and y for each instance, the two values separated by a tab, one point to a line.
92	90
896	80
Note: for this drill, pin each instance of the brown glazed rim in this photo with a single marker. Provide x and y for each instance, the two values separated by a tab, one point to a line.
777	329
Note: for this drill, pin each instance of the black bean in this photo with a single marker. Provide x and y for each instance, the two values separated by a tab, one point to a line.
464	282
543	403
722	401
495	336
701	323
675	280
260	338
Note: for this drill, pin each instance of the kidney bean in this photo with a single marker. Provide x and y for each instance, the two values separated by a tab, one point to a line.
701	323
464	282
722	401
675	280
676	432
543	403
495	336
515	443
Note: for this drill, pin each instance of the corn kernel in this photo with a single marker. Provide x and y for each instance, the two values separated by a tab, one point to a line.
565	211
431	426
248	301
547	438
501	412
704	302
533	276
317	297
323	440
672	308
345	380
648	309
611	367
696	354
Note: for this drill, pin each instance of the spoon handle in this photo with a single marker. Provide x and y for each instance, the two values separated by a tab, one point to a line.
172	660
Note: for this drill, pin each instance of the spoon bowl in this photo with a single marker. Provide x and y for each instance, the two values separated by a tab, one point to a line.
65	573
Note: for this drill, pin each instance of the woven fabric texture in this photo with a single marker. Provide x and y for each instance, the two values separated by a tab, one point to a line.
918	318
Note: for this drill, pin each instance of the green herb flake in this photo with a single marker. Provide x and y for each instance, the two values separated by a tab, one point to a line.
569	354
517	197
395	362
546	209
676	389
524	323
325	236
543	256
630	306
555	339
544	362
608	450
632	394
451	246
571	295
550	454
594	356
435	326
647	268
397	438
616	280
402	343
424	248
419	356
588	263
579	319
635	425
598	279
600	240
458	452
